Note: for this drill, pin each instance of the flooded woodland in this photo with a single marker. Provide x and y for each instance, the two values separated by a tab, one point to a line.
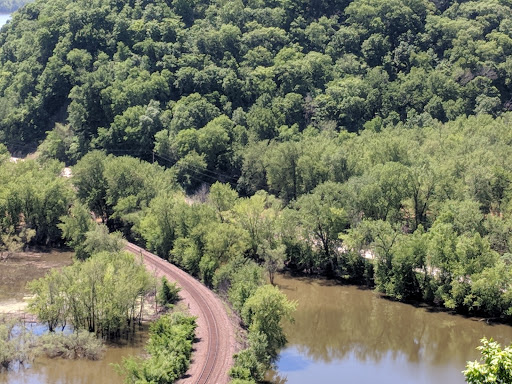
15	272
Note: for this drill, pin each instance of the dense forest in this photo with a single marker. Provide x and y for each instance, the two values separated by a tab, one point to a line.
364	140
133	77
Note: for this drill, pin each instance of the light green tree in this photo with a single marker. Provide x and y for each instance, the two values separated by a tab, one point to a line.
264	311
99	239
88	178
49	300
321	217
222	197
496	366
75	227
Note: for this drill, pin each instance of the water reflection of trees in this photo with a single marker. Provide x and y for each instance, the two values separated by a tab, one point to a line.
275	378
333	322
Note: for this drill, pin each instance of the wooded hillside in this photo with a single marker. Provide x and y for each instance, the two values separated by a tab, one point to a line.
199	81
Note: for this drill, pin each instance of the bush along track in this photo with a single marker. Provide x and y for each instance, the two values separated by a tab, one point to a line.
262	308
170	350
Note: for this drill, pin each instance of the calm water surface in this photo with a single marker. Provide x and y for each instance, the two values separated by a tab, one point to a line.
60	371
344	334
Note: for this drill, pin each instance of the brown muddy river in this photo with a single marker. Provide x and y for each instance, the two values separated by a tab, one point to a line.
60	371
14	275
21	268
344	334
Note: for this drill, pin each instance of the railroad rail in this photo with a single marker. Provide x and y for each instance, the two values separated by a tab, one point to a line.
217	337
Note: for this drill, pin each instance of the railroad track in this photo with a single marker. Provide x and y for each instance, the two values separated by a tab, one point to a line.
210	372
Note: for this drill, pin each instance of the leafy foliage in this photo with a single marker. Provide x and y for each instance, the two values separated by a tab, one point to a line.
169	347
167	293
32	199
100	295
263	312
496	366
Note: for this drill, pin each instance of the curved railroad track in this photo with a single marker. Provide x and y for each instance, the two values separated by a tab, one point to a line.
215	344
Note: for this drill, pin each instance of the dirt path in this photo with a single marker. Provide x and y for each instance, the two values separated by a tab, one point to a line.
215	337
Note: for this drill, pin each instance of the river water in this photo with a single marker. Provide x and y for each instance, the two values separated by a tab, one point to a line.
353	335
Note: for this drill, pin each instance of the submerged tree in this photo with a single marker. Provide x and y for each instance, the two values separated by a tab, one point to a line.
264	311
16	344
103	294
273	258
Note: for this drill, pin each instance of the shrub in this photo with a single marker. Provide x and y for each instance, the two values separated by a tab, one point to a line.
167	293
15	344
496	365
80	345
169	347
